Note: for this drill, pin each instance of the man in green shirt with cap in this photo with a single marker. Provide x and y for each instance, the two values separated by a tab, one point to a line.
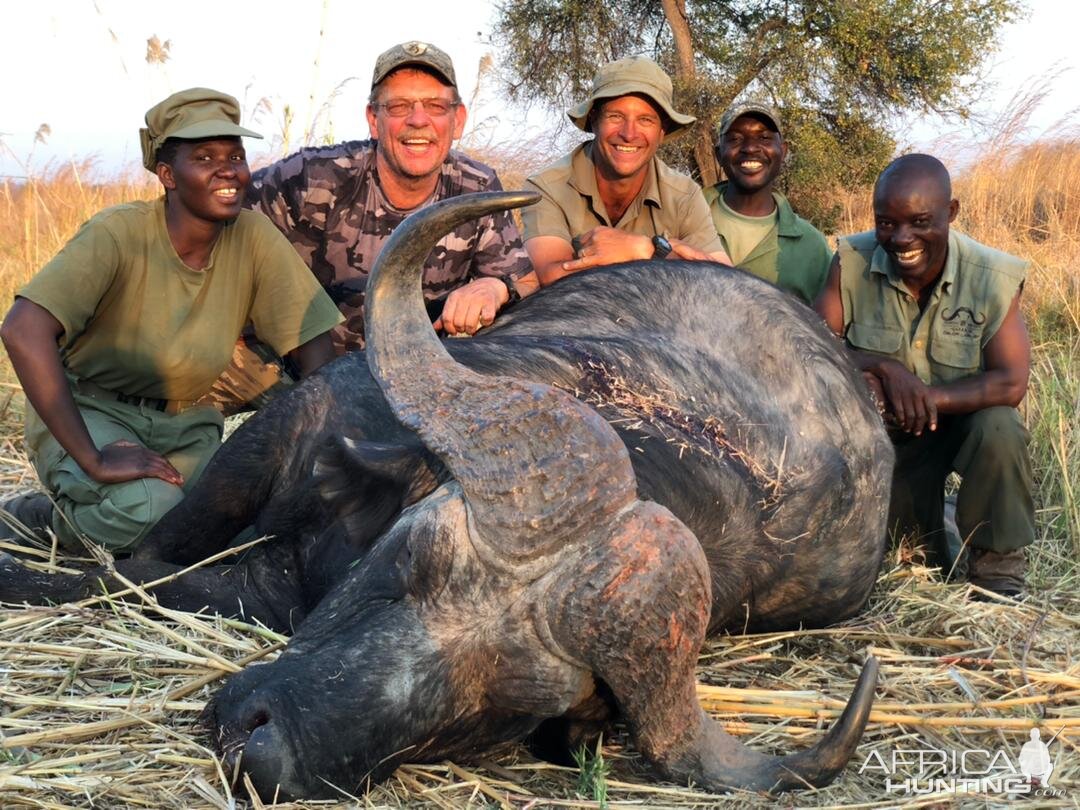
933	319
611	199
759	230
118	337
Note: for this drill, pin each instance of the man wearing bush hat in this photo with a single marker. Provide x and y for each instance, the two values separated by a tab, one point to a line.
612	199
759	230
933	320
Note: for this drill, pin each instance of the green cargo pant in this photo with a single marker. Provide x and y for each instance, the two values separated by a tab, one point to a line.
118	516
994	509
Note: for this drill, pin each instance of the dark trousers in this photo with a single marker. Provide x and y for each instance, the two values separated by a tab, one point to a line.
994	509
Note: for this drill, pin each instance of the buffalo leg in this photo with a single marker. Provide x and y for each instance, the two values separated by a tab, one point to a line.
267	455
22	585
263	587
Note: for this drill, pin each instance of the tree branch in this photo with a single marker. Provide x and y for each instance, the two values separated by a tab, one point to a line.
685	76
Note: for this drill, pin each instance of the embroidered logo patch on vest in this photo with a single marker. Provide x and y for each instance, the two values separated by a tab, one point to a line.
962	322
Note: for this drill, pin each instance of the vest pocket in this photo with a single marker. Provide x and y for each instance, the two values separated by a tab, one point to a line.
954	359
874	338
956	353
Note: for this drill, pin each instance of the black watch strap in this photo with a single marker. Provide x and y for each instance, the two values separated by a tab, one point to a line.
515	296
661	247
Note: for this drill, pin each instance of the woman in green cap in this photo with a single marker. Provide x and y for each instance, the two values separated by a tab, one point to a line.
117	338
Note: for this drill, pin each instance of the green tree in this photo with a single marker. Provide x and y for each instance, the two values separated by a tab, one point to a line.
839	71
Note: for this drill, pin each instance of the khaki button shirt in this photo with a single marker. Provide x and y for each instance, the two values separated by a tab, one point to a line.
945	341
670	204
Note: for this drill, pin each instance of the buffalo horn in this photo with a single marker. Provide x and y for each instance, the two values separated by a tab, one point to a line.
536	466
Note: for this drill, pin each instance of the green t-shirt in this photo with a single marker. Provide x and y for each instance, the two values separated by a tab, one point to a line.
945	340
670	204
793	254
138	321
741	233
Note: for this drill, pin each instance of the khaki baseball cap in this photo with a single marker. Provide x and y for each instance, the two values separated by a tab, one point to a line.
756	108
193	113
635	74
414	53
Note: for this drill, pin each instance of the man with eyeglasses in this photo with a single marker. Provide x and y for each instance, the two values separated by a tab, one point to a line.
338	204
611	199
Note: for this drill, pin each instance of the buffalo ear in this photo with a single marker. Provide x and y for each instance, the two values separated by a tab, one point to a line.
351	475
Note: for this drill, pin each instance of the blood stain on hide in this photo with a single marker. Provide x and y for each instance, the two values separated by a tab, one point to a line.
645	558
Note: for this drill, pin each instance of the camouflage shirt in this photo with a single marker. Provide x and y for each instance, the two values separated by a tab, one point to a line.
330	205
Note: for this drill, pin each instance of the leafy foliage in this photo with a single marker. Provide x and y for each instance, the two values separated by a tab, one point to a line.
839	70
551	48
829	156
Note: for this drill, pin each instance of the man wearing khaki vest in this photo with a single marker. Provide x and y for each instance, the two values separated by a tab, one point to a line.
933	319
611	199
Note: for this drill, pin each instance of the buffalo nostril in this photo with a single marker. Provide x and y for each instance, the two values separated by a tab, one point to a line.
233	737
260	717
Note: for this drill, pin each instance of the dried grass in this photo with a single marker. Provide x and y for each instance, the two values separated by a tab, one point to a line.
101	703
620	402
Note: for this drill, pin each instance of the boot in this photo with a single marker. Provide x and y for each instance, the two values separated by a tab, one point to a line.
954	543
999	572
31	511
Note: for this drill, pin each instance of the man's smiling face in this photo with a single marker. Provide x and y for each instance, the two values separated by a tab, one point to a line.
414	145
912	213
751	153
629	130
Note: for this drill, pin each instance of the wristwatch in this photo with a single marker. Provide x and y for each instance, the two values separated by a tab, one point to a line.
661	247
515	296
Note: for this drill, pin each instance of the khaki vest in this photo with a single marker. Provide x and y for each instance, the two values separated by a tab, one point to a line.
944	342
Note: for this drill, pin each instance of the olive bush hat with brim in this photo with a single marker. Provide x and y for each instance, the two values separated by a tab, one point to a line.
624	77
190	114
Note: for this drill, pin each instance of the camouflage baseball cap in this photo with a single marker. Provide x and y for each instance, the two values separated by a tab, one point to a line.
414	53
758	109
635	74
193	113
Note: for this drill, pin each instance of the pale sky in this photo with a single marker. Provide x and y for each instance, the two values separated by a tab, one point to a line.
80	67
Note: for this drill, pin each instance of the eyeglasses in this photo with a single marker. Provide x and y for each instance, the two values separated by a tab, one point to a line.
400	107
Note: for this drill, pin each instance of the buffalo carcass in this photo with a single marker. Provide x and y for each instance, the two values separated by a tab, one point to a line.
494	564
